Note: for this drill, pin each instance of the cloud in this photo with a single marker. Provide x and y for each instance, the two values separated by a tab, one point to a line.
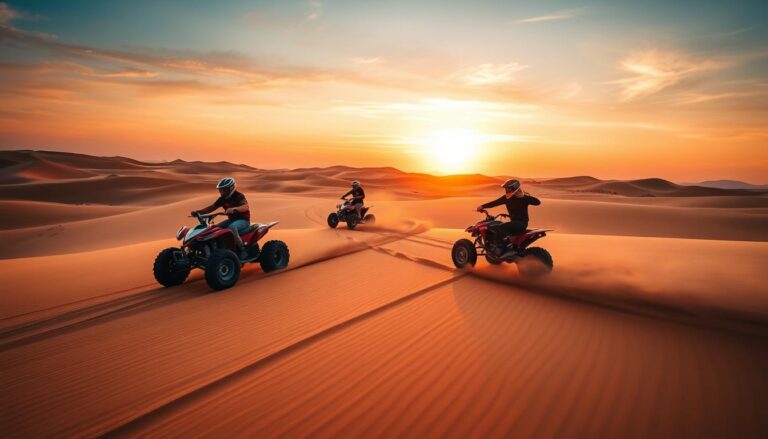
655	70
214	63
369	61
436	109
315	10
558	15
488	74
71	67
7	14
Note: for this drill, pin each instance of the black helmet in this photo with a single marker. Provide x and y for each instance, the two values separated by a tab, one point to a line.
511	185
355	183
226	182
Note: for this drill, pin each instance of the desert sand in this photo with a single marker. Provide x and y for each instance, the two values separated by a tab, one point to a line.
653	323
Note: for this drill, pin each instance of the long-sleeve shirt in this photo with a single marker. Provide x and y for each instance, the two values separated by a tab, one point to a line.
517	207
237	199
357	193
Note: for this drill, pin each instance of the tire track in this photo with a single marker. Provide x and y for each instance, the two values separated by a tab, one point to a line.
108	315
34	325
80	318
67	305
131	426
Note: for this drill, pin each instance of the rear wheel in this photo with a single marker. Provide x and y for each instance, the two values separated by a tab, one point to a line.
370	219
351	221
537	262
333	220
274	256
463	253
222	270
169	272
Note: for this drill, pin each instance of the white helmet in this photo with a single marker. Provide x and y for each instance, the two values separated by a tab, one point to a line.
226	187
226	182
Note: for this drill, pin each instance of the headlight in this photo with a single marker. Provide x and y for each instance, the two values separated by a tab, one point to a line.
182	232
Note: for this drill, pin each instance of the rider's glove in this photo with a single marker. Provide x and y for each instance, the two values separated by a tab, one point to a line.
193	213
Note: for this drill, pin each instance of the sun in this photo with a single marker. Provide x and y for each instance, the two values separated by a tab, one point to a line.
451	149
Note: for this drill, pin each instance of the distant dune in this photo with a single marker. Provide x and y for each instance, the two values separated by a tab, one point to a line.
647	187
729	184
571	181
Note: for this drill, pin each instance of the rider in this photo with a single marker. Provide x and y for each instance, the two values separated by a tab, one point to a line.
236	207
517	202
358	197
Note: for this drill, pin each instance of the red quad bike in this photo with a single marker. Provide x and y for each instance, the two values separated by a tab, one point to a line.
346	212
213	249
488	243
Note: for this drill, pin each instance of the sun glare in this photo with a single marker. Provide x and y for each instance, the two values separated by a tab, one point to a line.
451	149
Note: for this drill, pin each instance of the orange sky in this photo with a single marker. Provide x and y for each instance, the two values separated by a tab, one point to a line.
531	91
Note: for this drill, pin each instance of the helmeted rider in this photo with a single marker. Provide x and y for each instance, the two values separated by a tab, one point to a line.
517	202
235	206
358	198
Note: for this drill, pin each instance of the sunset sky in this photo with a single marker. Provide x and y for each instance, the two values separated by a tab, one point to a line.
616	90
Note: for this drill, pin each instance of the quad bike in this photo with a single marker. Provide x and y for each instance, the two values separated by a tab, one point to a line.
346	212
213	249
490	243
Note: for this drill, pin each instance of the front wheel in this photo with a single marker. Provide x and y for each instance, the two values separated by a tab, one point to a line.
167	270
333	220
463	253
222	270
274	256
351	221
537	262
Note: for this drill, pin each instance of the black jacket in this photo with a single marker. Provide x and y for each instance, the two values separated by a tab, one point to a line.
357	193
517	207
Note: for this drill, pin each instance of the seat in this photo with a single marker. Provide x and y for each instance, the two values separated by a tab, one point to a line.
250	229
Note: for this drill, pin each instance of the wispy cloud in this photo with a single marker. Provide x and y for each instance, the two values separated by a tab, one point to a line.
215	63
369	60
655	70
488	74
71	67
7	14
437	109
558	15
315	10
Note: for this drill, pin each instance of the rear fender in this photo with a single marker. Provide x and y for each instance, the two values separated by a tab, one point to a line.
262	230
527	239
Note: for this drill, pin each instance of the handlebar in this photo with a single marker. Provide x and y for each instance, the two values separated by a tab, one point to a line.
490	217
206	218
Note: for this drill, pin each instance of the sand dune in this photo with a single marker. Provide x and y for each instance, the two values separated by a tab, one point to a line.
26	214
570	181
452	362
653	323
40	170
647	187
355	353
78	161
